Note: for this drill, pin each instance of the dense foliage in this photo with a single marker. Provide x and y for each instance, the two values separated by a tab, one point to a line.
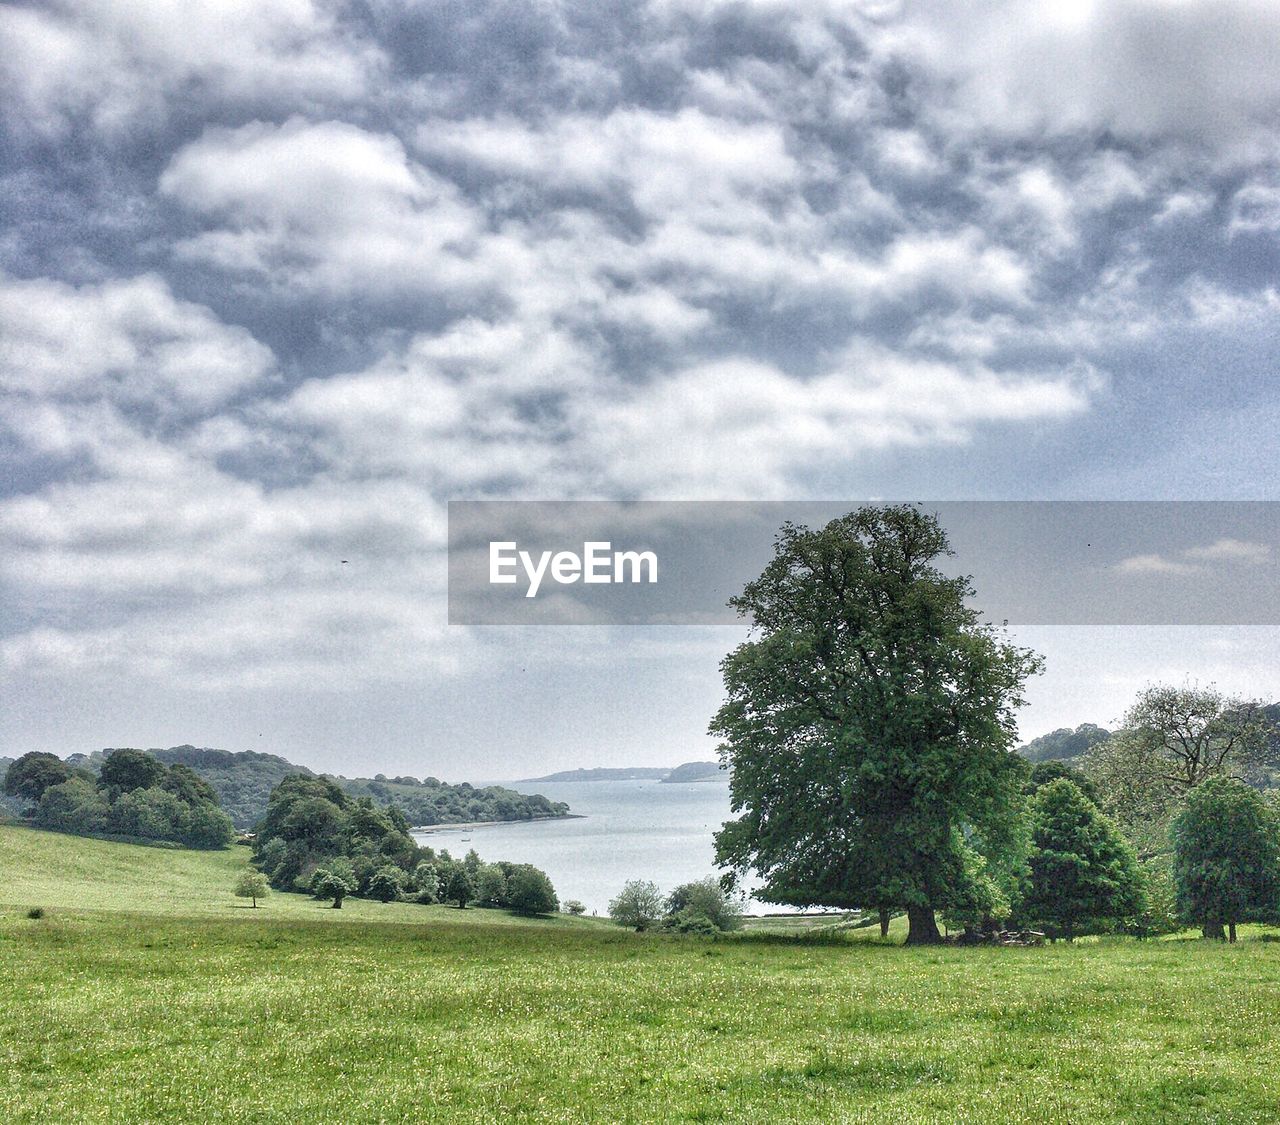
133	795
244	780
704	906
1084	877
316	837
869	723
1227	856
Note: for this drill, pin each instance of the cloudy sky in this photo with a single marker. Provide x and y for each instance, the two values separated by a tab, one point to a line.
278	278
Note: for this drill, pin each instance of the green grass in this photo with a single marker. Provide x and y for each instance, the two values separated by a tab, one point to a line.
210	1012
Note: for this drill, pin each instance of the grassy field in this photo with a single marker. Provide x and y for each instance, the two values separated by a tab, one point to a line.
148	993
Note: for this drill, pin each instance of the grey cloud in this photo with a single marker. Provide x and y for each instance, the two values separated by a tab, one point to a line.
280	278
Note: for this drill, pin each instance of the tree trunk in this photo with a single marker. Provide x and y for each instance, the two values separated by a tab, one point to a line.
337	903
1213	931
1231	929
922	926
255	904
884	923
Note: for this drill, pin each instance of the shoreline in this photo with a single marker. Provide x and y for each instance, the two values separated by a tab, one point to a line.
464	824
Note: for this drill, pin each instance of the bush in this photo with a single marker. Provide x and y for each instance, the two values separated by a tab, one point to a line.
705	899
426	882
208	827
574	907
36	913
75	805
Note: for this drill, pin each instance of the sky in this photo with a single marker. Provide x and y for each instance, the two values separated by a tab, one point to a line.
280	278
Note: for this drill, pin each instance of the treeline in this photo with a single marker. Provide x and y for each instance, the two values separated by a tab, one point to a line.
316	838
132	795
869	725
244	781
1150	829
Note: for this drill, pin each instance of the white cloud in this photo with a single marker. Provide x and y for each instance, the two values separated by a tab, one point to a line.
1139	68
1255	208
1231	550
1153	564
116	63
326	206
130	341
1224	550
744	429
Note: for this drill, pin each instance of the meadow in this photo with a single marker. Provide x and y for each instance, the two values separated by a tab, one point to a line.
147	992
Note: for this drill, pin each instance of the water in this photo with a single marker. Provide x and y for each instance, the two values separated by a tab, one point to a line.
627	830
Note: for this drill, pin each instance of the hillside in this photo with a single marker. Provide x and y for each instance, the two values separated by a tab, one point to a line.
696	771
59	872
244	780
1064	743
688	771
600	773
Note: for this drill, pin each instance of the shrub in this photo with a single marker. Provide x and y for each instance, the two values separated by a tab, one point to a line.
706	899
574	907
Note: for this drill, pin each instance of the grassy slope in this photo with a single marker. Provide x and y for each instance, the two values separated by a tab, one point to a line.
68	873
283	1015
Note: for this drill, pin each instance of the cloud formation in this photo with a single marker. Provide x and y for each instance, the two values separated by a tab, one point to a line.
278	279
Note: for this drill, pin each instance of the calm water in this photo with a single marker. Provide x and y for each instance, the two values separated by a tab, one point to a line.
627	830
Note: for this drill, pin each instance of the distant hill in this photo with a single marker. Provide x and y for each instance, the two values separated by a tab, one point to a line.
695	771
635	773
1064	743
689	771
244	779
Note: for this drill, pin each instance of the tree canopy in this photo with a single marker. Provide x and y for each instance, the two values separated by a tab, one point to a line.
1083	874
869	722
1227	856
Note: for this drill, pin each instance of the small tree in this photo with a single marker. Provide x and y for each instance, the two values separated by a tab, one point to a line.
639	904
1227	856
491	885
529	891
252	884
386	884
1083	872
456	885
574	907
426	881
327	883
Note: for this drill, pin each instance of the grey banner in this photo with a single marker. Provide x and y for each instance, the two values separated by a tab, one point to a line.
1032	562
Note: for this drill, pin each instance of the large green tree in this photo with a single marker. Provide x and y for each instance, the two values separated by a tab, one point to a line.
1227	856
33	773
869	722
1083	873
127	770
